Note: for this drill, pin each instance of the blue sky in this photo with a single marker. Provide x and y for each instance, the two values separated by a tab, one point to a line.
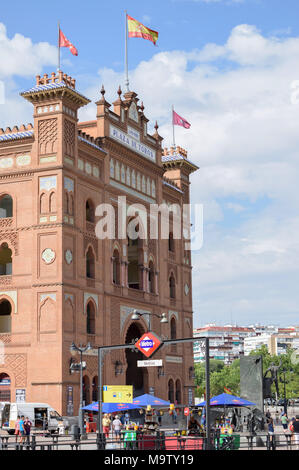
228	66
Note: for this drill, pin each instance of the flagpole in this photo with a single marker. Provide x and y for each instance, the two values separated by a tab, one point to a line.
173	132
58	70
127	83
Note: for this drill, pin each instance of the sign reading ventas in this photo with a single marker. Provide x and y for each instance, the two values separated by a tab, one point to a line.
148	344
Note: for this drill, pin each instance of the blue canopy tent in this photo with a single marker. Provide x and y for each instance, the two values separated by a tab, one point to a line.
146	400
228	400
111	407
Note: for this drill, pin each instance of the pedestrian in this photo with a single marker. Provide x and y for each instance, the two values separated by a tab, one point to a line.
106	425
271	432
22	429
284	422
127	418
17	428
116	425
160	417
174	416
27	426
295	431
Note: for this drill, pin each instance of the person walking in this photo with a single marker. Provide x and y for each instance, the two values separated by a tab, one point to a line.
116	425
17	428
22	429
106	425
295	431
284	422
271	433
27	426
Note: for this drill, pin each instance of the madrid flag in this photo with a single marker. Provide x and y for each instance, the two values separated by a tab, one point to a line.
179	121
138	30
64	42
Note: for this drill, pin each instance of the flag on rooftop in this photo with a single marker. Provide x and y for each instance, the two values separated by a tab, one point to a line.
227	390
64	42
179	121
138	30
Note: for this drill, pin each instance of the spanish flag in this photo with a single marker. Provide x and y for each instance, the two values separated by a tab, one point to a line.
227	390
138	30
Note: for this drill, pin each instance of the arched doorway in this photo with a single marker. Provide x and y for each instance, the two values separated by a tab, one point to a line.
171	391
86	390
178	392
5	316
4	387
95	389
136	376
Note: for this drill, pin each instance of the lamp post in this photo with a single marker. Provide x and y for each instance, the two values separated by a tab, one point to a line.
285	404
81	351
138	315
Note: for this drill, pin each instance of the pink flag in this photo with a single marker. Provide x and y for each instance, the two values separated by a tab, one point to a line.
179	121
64	42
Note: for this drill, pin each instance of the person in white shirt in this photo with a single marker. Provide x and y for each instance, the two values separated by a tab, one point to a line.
116	425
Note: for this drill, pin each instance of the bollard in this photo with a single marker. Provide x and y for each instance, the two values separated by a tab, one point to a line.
33	442
101	442
75	431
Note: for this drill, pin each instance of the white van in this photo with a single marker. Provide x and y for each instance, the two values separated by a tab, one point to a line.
42	416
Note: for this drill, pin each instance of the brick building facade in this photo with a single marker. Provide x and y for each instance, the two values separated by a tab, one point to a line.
58	282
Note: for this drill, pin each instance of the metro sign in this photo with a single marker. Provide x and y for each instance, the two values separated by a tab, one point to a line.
148	344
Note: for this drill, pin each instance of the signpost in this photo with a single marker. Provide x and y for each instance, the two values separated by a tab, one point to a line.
118	394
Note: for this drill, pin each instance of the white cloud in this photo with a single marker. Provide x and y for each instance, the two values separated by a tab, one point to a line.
21	57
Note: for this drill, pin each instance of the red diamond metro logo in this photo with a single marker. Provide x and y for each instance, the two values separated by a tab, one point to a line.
148	344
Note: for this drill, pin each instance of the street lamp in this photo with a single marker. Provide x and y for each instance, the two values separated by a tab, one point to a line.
81	351
137	316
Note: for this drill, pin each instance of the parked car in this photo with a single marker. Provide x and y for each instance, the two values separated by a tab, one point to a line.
281	402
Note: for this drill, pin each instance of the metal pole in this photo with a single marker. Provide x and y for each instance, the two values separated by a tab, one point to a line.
208	420
173	132
100	414
127	83
285	406
58	47
81	422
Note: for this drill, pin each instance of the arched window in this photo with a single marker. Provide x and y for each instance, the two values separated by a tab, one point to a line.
178	392
5	388
151	278
173	333
95	389
5	316
172	287
6	207
133	260
90	264
171	391
116	268
90	319
53	202
171	243
86	390
66	203
90	211
5	260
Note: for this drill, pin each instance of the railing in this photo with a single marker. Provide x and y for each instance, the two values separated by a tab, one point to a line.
160	442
